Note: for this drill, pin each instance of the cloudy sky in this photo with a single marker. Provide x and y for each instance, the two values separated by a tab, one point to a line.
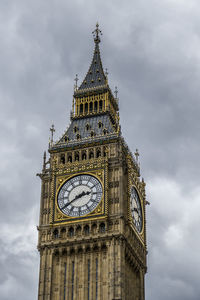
152	51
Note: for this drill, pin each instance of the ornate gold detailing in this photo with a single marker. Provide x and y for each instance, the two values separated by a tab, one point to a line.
82	165
97	169
94	104
89	105
133	180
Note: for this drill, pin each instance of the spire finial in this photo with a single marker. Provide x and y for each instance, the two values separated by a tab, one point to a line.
136	154
44	160
96	34
52	129
106	72
116	92
76	82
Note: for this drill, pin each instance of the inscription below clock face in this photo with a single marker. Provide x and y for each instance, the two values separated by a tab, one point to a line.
80	195
136	210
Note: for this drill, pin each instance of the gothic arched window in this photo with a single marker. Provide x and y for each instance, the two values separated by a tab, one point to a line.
62	158
91	155
91	106
98	153
77	156
95	106
71	231
84	156
102	228
78	230
86	229
94	228
69	159
100	105
63	231
81	108
55	234
86	108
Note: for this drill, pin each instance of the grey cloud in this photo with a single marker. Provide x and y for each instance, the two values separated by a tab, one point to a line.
152	52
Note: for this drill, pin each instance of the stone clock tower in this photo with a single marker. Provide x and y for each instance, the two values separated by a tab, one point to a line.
92	234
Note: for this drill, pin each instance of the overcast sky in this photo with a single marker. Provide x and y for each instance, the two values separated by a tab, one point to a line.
152	51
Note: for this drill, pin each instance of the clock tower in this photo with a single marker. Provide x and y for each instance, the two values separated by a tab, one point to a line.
92	232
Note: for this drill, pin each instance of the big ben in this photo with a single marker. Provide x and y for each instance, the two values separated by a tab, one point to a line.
92	225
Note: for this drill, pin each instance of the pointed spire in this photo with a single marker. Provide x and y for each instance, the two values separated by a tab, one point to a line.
95	77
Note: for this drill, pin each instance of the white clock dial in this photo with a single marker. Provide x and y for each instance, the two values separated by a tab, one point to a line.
136	210
80	195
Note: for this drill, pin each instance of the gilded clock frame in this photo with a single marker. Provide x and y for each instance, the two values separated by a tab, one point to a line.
133	181
100	212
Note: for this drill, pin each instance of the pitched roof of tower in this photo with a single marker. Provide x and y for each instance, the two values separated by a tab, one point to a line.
87	130
95	77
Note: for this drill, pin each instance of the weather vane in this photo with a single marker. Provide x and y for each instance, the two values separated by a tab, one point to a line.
96	34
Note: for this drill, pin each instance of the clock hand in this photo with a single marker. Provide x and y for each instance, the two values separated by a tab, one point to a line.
76	197
80	195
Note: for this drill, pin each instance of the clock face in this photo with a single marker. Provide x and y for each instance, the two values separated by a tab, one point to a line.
80	195
136	210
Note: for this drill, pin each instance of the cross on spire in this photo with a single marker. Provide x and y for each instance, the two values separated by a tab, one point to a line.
96	34
76	82
52	129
